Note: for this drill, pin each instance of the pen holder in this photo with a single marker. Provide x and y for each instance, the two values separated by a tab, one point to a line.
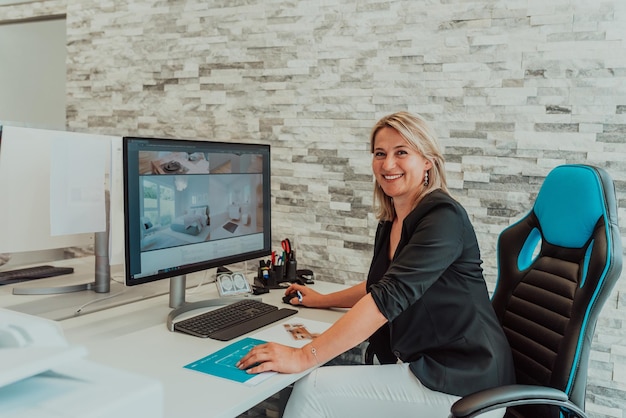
278	274
292	266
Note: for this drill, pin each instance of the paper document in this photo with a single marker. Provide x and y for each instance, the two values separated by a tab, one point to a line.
294	332
77	184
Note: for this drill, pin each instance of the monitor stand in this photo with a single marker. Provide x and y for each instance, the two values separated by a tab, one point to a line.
102	283
178	288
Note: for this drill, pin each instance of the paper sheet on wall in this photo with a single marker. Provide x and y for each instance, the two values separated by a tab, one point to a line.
77	184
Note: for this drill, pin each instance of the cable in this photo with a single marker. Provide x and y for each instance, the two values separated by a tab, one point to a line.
202	283
113	278
80	308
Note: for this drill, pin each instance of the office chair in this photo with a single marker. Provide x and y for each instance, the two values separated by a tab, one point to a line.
556	269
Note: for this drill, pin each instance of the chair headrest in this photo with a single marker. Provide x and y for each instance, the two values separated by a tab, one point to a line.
569	204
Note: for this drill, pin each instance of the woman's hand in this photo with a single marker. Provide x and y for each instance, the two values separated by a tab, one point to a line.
310	297
274	357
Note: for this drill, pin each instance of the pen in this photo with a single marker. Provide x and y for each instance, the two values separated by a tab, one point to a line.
299	296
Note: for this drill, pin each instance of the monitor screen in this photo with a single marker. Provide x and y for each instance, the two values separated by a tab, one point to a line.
191	205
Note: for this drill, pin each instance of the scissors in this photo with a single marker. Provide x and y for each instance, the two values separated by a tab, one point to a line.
286	244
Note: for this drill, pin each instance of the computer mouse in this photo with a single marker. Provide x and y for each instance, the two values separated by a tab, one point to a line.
287	298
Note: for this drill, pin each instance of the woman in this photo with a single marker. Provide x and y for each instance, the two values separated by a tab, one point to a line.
424	307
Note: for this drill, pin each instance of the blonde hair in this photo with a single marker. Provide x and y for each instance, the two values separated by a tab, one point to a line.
419	136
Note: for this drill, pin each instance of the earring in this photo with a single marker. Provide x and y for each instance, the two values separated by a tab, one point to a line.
426	178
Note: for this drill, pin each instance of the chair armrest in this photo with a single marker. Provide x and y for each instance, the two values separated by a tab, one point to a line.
512	395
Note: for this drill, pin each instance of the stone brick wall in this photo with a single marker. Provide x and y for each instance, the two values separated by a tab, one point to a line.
512	88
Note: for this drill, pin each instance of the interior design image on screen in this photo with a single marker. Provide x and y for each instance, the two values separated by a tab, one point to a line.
193	205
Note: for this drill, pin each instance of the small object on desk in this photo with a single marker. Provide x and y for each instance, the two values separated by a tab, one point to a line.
306	276
286	245
32	273
259	290
264	273
277	275
292	266
231	284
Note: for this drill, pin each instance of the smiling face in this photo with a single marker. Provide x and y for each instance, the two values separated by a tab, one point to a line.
399	169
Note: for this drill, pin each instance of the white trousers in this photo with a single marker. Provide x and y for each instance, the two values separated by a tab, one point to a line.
387	391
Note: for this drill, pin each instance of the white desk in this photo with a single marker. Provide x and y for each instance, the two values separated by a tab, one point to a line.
62	306
134	337
128	332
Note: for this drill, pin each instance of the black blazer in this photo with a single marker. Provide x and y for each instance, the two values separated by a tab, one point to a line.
436	301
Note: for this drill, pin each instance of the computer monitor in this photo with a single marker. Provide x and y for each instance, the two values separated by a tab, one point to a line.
54	196
191	205
26	188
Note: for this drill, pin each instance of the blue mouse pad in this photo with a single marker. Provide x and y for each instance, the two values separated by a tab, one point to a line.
222	362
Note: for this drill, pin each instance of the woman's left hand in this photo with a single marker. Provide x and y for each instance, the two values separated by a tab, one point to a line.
273	357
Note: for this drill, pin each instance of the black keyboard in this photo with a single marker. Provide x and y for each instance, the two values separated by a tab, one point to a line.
233	320
32	273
